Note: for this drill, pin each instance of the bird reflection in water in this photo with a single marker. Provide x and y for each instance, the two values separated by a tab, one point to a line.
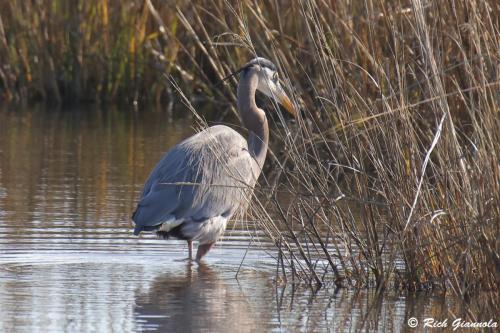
195	300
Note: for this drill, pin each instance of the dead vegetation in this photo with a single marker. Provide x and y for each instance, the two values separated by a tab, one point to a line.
390	178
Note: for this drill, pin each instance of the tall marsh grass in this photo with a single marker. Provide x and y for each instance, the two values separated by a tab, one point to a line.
73	51
391	177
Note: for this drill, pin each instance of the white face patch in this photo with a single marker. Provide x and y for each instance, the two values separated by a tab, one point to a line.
268	83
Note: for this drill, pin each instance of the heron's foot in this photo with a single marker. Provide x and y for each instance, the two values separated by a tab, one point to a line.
202	250
184	260
190	249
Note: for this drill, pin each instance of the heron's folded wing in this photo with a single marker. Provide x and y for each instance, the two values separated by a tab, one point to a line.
165	192
200	178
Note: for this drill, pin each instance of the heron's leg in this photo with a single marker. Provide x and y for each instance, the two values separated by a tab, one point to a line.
190	248
202	250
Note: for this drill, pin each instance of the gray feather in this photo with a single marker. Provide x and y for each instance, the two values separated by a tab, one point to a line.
209	174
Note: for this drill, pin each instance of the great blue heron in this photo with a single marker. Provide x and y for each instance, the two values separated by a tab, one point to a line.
201	182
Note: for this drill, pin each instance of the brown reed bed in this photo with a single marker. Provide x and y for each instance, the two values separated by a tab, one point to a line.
73	51
390	178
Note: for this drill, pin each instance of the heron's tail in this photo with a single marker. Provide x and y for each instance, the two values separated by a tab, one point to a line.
163	234
137	230
138	227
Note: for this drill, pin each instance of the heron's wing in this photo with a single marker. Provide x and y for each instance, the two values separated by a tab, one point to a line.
207	175
159	199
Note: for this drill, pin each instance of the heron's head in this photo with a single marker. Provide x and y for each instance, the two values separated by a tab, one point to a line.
269	82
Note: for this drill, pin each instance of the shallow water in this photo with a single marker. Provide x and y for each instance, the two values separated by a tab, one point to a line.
69	180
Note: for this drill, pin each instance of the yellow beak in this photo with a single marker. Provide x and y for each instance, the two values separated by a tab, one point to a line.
287	104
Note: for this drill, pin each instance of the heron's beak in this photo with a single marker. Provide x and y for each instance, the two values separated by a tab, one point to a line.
287	104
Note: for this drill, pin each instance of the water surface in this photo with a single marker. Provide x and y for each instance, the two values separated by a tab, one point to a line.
69	180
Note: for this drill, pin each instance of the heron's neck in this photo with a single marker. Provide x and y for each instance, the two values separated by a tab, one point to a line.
253	118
